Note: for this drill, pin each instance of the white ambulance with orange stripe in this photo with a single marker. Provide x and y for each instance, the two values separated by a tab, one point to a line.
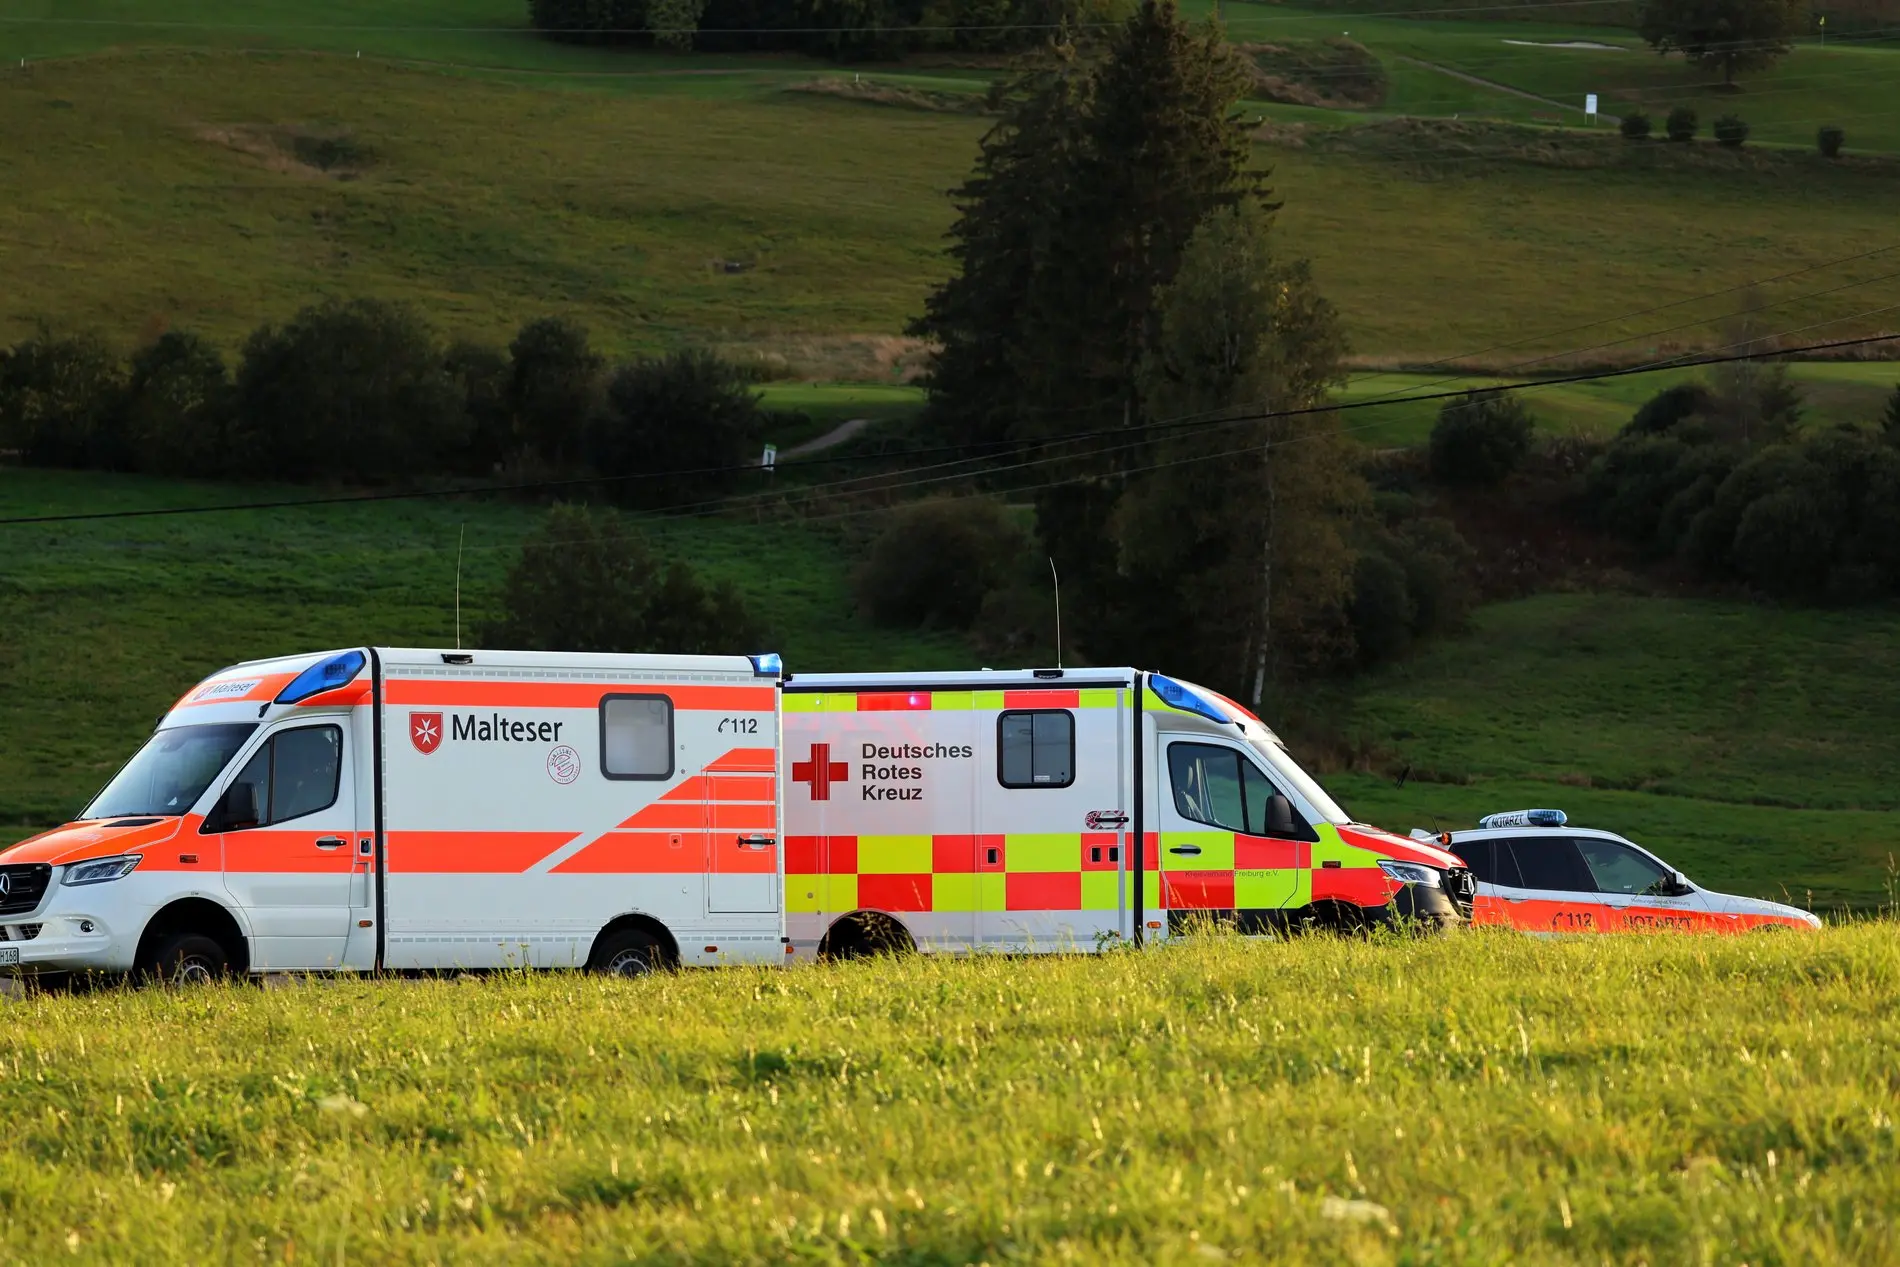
396	809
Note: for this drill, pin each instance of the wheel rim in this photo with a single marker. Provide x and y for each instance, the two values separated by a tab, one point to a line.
631	962
194	970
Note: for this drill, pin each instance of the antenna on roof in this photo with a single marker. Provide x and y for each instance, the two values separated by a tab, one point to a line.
460	537
1058	580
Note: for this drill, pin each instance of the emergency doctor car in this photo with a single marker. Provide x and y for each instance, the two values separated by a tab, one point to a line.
1536	872
388	808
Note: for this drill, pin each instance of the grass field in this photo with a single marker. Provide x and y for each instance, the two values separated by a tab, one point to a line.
161	186
1476	1099
1753	747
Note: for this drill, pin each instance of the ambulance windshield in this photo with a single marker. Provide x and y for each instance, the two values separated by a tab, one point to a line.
1303	783
170	772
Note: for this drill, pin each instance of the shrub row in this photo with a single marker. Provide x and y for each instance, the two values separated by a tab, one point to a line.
365	391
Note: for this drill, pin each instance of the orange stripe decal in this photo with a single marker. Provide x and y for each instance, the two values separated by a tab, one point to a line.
448	693
474	852
746	760
641	853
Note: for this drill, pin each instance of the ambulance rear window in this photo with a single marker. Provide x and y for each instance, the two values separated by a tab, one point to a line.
636	737
1036	748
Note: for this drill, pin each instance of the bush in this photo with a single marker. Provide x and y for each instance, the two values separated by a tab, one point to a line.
59	403
1890	420
587	581
1480	439
1635	127
347	390
1668	407
1785	543
1831	139
1732	131
179	409
1681	124
687	412
1381	609
937	560
485	380
553	388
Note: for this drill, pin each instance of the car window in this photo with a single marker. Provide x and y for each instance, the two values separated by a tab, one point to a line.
1036	748
1551	862
1207	785
296	772
1620	869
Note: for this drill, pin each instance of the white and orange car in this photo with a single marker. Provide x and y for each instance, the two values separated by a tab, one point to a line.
1537	873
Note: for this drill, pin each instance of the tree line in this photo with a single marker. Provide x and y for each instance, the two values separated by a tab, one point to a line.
830	28
366	391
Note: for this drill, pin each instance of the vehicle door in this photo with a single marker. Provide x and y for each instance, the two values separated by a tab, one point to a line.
1637	890
287	827
1220	849
742	829
1488	905
1546	886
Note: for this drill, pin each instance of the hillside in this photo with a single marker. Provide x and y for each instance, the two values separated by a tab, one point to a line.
227	176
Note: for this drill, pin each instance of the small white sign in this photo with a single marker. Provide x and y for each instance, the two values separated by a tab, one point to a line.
1590	104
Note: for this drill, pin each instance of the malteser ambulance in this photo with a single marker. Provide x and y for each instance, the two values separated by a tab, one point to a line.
399	809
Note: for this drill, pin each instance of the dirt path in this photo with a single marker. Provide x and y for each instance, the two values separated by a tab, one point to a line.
1493	84
831	439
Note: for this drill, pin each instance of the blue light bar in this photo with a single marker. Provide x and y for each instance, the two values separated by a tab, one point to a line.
325	675
1175	695
1525	818
767	664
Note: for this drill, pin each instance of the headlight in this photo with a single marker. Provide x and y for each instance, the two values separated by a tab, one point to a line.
1411	873
99	870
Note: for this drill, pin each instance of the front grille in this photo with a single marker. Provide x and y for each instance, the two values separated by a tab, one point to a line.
25	886
1462	888
20	932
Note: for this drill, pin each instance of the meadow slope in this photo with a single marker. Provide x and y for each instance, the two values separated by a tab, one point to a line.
1474	1099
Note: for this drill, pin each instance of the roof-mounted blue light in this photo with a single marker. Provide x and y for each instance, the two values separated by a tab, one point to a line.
767	664
1525	818
325	675
1188	700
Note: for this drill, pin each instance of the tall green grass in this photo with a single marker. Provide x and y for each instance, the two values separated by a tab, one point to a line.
1475	1099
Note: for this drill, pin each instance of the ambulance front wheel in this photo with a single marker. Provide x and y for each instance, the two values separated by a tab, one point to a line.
189	959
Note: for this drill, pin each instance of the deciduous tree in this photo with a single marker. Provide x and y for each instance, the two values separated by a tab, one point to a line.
1732	35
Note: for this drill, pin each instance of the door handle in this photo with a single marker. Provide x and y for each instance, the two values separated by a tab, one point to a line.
757	842
330	842
1192	851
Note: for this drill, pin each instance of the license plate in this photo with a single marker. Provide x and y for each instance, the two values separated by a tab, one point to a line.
9	954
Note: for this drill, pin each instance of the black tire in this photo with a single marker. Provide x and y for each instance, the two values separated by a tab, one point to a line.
865	935
627	954
186	959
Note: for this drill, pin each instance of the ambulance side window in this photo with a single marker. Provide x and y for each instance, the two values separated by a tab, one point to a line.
1035	748
296	772
1206	782
636	737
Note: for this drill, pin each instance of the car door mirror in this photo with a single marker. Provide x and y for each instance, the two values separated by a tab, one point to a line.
1279	815
1677	885
238	809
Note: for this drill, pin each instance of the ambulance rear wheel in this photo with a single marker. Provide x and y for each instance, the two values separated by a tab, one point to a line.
627	954
184	959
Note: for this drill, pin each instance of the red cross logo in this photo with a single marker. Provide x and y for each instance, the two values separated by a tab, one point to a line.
820	772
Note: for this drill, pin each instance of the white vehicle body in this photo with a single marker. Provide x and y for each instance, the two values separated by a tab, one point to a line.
435	810
1568	879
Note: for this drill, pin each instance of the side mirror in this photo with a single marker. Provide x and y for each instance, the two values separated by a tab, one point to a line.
238	809
1279	815
1679	885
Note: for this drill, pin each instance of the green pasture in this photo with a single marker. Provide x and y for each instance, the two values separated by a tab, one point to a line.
1476	1099
1751	745
103	625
